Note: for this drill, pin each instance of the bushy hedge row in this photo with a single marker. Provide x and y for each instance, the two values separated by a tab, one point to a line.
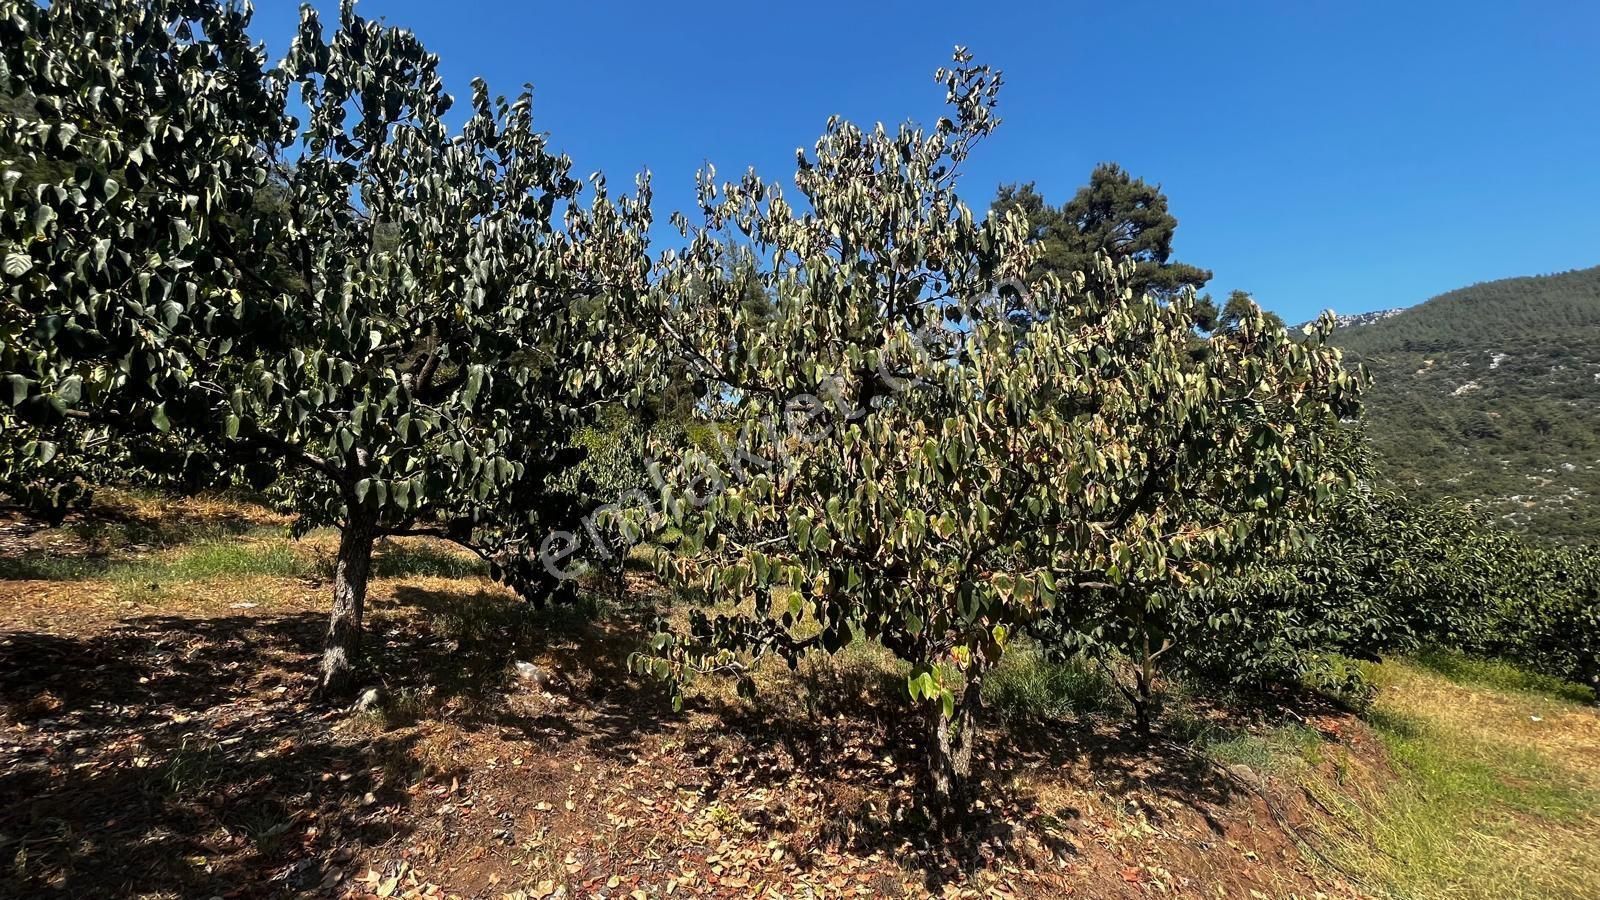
1385	575
1507	597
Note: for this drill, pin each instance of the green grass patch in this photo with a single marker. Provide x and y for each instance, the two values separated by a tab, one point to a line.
223	559
1029	686
146	579
1500	675
112	535
408	559
208	560
191	769
1272	749
38	566
114	552
226	556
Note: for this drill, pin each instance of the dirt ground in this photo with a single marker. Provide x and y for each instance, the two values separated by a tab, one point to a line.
160	740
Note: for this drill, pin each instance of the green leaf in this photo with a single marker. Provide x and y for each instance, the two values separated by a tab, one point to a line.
16	389
70	390
42	217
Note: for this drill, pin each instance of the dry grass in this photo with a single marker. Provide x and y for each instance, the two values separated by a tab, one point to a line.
1495	794
1564	734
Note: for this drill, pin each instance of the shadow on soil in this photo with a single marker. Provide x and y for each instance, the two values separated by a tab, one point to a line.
183	756
179	757
857	738
462	667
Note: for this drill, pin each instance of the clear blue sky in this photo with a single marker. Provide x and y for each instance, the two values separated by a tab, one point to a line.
1353	155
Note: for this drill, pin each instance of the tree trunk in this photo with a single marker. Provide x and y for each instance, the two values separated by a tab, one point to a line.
1141	709
343	644
950	748
1145	677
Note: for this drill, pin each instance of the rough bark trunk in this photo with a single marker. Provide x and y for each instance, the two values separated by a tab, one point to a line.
343	644
1141	709
950	748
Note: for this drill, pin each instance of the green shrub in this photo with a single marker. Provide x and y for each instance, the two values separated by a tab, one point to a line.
1341	678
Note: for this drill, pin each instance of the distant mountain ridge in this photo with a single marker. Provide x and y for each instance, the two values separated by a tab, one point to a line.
1491	394
1366	318
1354	320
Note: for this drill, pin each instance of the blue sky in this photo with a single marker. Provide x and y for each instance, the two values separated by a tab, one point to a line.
1353	155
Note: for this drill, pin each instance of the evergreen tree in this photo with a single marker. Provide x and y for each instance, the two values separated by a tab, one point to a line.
1240	308
1115	214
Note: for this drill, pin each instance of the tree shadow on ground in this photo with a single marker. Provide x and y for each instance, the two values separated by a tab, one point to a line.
462	666
859	739
1154	772
181	757
108	527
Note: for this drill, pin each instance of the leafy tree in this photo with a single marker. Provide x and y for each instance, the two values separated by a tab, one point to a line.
683	393
1278	617
105	200
1551	619
1115	215
1451	579
1385	573
611	473
399	325
1240	308
36	474
1231	463
919	469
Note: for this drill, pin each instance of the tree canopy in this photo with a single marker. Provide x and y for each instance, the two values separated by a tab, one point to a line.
915	467
400	321
1115	215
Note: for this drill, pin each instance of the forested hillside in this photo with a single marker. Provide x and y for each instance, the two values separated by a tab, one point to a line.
1491	393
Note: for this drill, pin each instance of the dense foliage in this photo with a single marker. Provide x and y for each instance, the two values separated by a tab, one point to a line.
1385	574
1448	578
610	474
371	308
